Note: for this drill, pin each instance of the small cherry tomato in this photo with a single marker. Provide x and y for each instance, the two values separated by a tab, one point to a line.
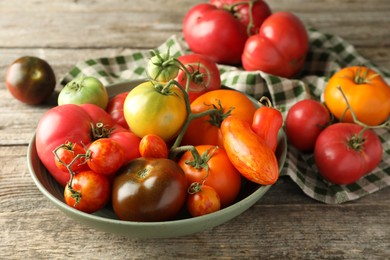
304	122
30	79
267	122
66	153
105	156
212	167
88	192
202	200
153	146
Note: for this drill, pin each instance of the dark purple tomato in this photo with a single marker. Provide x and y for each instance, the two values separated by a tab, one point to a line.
31	80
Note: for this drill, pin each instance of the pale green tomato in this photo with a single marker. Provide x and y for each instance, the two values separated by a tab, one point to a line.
148	111
84	90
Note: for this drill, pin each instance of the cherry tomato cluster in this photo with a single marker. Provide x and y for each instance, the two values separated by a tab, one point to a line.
339	131
177	142
247	33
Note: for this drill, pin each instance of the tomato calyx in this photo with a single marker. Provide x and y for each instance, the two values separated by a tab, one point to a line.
162	66
361	77
217	118
99	130
195	187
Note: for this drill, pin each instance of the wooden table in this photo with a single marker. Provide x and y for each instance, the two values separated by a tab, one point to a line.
285	224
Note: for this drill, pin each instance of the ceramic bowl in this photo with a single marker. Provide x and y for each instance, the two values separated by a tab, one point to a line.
106	220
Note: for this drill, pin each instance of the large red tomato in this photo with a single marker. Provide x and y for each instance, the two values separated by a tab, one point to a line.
280	47
219	29
343	156
204	75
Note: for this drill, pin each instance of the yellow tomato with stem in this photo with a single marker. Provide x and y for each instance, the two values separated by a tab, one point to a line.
366	91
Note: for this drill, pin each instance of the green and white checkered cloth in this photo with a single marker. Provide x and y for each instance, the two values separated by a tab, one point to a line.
327	54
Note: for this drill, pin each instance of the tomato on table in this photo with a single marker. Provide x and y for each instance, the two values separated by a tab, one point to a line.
280	47
366	91
30	79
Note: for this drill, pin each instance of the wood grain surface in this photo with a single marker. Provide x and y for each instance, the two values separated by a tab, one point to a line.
284	224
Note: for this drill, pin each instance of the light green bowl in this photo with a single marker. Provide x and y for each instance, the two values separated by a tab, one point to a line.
106	220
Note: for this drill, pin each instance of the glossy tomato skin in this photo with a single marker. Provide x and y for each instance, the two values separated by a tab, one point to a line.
94	191
366	91
239	104
153	146
260	11
149	190
204	201
204	77
66	153
215	33
221	174
115	109
105	156
305	120
148	111
248	152
280	47
341	163
84	90
30	79
57	126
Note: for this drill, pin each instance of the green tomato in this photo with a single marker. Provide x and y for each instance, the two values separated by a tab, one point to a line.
149	110
84	90
162	67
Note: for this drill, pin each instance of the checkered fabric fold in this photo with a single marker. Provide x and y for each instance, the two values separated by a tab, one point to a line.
327	54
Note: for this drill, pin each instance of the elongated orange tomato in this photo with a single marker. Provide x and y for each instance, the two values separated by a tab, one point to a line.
248	152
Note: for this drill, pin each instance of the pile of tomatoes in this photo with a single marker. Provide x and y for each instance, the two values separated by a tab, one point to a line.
340	131
176	142
246	32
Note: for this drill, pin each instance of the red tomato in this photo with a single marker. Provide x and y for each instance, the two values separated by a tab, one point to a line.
129	143
203	200
88	192
304	122
57	126
149	190
213	169
204	77
241	10
105	156
115	109
153	146
267	122
214	33
66	153
279	48
342	157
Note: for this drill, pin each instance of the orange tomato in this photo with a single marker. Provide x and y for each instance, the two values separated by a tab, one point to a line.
248	152
153	146
215	170
205	130
366	91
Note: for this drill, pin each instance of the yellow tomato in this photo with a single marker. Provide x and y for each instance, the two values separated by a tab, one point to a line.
366	91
